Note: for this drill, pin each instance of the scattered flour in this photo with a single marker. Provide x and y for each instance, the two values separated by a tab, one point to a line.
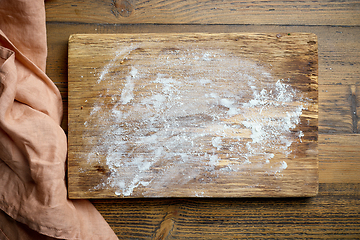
122	53
127	92
216	142
301	134
183	119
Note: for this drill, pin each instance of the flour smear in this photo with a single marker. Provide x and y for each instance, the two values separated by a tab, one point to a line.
198	114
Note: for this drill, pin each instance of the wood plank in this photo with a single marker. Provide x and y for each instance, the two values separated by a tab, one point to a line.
249	128
339	158
334	213
335	109
322	12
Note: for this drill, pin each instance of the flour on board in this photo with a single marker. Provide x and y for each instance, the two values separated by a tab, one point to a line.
196	114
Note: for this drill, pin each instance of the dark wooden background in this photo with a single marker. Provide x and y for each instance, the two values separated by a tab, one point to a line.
335	212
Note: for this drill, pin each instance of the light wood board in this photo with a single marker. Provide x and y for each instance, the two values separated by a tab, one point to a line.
193	115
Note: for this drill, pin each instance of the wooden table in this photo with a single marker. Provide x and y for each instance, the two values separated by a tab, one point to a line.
335	212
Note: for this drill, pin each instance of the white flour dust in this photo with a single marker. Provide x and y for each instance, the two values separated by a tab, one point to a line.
197	114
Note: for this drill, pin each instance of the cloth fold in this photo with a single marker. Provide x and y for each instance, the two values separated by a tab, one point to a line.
33	146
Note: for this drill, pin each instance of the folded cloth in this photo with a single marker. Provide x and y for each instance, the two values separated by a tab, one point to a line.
33	146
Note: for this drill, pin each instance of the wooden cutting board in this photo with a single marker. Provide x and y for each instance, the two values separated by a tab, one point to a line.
193	115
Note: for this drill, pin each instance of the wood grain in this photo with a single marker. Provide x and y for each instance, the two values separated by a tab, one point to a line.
243	162
334	213
340	161
345	13
336	114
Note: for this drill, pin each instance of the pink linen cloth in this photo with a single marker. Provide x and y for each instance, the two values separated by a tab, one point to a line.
33	146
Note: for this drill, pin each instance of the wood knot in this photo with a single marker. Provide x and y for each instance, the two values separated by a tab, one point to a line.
122	8
167	224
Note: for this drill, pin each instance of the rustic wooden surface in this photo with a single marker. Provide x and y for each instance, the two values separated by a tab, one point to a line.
281	12
334	213
207	139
